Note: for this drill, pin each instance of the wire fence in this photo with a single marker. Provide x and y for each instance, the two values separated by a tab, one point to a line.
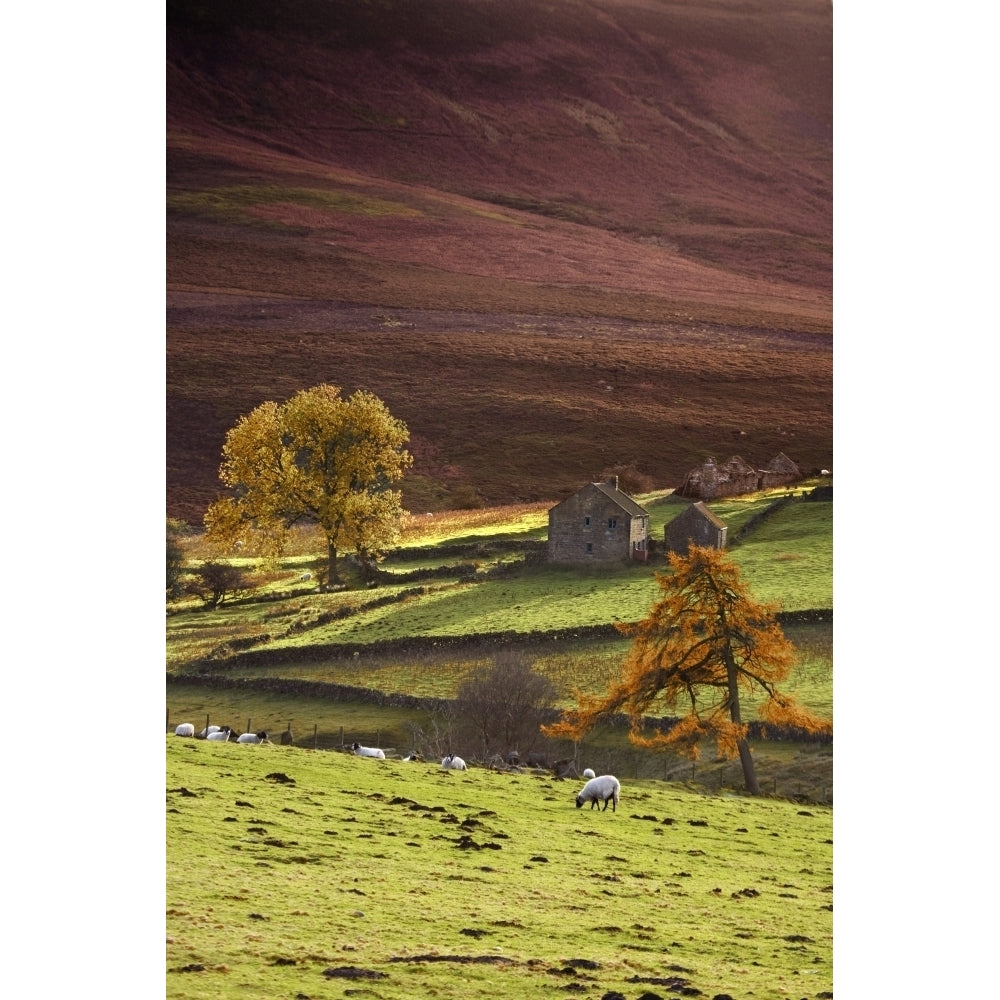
310	738
717	776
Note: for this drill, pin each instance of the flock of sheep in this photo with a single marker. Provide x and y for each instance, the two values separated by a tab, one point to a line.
221	734
603	789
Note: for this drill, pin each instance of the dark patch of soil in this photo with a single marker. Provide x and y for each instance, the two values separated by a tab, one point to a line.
459	959
352	972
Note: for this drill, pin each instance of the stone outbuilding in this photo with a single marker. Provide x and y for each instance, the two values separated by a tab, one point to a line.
598	523
696	525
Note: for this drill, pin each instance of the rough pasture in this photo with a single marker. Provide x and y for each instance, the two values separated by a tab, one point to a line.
294	872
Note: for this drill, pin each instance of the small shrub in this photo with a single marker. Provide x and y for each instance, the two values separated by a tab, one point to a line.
217	582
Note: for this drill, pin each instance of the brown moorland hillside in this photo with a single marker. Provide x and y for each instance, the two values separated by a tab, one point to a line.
556	238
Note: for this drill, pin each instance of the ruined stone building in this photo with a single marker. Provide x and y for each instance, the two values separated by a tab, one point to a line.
598	523
779	471
735	477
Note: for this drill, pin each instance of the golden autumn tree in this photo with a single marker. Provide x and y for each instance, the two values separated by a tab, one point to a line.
705	643
317	458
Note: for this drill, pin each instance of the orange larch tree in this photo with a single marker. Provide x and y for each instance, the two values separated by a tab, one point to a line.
705	641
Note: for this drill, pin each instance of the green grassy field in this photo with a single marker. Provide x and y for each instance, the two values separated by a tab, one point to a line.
304	873
788	560
286	623
587	665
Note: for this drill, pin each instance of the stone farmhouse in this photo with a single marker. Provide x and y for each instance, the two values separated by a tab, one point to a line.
735	477
695	525
598	523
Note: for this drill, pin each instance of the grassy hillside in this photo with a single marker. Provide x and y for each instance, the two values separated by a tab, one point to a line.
299	873
477	578
555	238
472	573
349	665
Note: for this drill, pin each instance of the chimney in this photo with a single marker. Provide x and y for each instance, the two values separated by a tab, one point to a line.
613	482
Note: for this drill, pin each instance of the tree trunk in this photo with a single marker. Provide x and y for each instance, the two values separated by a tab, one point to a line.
749	774
332	562
746	758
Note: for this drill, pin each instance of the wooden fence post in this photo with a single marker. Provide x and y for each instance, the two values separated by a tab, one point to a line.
168	720
315	746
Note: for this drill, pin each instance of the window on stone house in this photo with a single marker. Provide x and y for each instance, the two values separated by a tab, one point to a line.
590	546
612	522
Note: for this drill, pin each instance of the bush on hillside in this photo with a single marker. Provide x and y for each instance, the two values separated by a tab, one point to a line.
631	479
217	582
501	704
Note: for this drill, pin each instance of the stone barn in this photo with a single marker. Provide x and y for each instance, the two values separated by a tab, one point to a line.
598	523
696	525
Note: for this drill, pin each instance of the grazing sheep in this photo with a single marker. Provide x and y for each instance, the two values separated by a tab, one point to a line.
453	763
205	733
220	735
604	789
360	751
588	772
260	737
184	729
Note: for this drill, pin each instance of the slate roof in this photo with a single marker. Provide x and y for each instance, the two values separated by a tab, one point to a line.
708	515
622	499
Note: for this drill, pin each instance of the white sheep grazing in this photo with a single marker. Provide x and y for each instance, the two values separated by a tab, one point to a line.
184	729
220	736
453	763
205	733
260	737
588	772
360	751
604	789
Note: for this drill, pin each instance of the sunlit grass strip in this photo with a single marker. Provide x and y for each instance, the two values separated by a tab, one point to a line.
515	519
